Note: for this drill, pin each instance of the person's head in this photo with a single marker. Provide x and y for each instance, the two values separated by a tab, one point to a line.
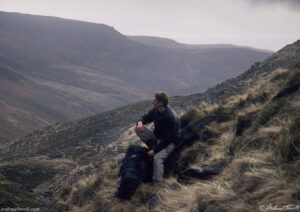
160	100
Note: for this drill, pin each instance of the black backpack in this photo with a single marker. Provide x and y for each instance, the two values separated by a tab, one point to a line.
136	168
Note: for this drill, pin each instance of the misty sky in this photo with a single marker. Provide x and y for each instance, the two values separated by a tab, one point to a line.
268	24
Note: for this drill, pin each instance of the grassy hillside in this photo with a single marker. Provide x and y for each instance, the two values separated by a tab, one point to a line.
261	160
74	164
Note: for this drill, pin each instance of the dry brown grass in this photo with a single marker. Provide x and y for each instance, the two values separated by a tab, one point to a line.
83	195
262	166
196	113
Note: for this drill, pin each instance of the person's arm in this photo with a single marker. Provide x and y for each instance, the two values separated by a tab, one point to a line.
147	118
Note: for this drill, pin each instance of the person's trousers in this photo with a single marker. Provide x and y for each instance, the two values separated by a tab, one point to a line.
150	140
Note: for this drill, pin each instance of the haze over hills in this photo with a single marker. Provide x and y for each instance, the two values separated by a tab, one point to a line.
37	168
169	43
53	69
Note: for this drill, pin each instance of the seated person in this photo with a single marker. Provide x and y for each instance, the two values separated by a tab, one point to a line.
166	132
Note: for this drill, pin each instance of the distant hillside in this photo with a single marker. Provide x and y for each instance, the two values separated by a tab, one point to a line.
53	69
45	165
169	43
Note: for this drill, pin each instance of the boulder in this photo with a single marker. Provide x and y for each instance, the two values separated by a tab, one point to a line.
205	172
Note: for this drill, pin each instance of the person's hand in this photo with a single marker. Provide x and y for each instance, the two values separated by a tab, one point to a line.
151	153
140	126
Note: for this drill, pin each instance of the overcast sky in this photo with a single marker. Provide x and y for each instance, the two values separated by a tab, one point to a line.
268	24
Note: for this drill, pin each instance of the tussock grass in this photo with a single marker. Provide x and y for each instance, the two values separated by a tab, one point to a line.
287	146
13	195
261	165
257	95
280	75
60	206
294	76
85	191
270	110
196	113
190	156
191	116
66	192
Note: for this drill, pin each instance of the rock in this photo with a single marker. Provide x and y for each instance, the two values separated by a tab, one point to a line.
207	156
205	172
12	204
48	194
188	136
175	187
206	135
120	157
244	122
287	90
153	202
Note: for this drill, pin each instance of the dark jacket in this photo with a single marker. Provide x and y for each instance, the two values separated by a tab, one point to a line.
166	126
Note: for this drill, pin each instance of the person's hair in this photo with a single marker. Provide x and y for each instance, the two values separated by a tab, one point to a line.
162	97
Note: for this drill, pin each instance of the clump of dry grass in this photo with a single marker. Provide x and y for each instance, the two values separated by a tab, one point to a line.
196	113
60	206
190	116
189	156
287	146
280	75
270	110
85	191
294	76
66	192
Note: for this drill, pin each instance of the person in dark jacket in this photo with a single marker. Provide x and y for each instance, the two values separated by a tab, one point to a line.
164	137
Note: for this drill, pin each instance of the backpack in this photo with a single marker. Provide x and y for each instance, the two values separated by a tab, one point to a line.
136	168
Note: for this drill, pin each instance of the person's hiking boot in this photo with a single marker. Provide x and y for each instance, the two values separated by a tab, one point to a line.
116	194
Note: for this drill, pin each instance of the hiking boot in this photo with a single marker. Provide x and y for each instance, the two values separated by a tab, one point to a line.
116	194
